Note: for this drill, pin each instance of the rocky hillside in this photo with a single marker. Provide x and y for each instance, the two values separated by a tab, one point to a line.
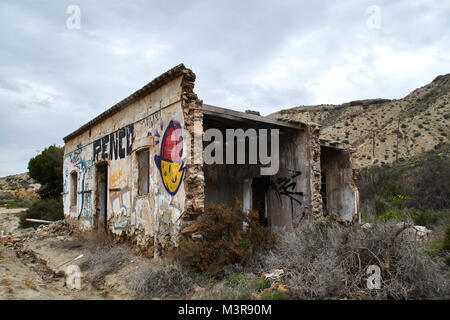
18	186
382	130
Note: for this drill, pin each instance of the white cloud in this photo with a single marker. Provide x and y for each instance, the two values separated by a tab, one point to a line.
253	54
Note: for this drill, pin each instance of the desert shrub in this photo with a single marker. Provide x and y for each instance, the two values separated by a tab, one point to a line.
427	218
102	259
431	187
447	260
245	286
165	280
377	185
228	236
419	183
434	249
273	295
446	242
332	263
47	209
391	215
15	203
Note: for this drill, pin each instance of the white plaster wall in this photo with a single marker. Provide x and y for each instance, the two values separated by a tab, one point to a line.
158	213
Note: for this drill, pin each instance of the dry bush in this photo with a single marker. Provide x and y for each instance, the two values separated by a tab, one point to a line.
102	259
224	239
167	280
331	261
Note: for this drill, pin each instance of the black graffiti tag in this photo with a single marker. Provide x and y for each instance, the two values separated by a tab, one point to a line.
285	186
118	144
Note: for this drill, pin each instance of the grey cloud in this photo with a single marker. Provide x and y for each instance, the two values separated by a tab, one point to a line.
262	55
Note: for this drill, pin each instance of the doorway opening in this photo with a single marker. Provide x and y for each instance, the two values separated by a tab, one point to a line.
260	185
323	193
74	190
102	196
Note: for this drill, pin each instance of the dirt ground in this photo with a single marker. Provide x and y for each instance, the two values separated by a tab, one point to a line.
31	263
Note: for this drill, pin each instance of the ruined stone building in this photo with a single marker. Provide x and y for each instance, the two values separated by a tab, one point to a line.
132	171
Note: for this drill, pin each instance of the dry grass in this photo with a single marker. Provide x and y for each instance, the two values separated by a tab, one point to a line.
7	285
103	259
164	280
331	262
30	284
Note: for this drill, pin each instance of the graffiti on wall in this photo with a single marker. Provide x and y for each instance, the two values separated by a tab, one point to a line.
117	179
170	163
116	145
65	191
128	213
84	167
287	187
121	207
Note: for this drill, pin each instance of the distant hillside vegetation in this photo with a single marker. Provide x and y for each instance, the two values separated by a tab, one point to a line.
18	186
420	182
382	130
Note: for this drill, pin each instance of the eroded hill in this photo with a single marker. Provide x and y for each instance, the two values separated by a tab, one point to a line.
18	186
382	130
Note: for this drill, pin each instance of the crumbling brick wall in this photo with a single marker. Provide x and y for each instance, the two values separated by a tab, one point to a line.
315	175
194	182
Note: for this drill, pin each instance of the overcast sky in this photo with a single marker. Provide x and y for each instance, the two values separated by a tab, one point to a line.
259	55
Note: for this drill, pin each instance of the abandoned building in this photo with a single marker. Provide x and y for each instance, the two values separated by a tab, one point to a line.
131	171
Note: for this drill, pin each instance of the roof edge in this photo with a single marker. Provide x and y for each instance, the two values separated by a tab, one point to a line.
145	90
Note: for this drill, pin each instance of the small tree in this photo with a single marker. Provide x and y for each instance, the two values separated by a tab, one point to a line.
46	168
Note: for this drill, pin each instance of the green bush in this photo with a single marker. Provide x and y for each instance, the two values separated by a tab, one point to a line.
47	169
242	286
391	215
15	203
273	295
236	278
47	209
446	245
419	183
426	218
434	249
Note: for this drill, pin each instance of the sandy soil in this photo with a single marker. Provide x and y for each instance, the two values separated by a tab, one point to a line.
30	263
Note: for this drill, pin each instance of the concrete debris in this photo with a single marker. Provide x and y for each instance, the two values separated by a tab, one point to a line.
420	233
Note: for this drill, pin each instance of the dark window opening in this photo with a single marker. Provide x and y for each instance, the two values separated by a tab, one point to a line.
143	172
74	189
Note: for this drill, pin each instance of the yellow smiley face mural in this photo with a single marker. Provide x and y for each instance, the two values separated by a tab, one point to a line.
171	174
169	163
